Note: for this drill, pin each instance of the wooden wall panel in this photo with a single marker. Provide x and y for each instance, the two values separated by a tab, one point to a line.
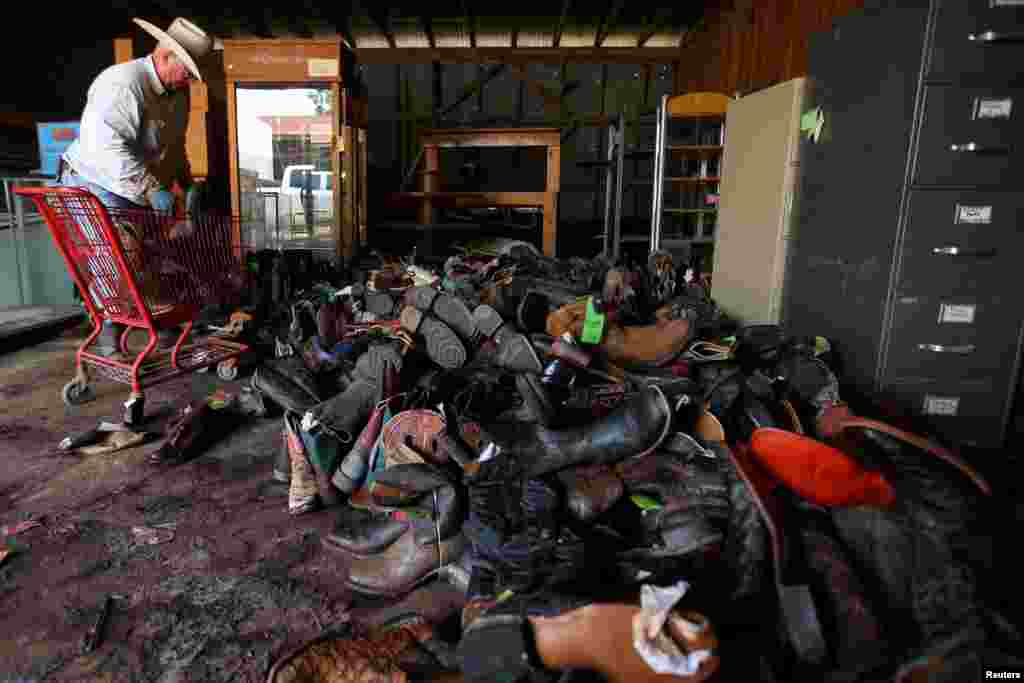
744	46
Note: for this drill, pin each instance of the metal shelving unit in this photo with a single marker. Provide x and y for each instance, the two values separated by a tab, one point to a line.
612	165
700	169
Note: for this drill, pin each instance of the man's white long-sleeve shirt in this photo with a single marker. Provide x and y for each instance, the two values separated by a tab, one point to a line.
131	137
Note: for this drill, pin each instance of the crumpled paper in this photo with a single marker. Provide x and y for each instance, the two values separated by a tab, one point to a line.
651	641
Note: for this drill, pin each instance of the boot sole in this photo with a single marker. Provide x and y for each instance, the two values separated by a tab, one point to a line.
488	321
451	311
443	346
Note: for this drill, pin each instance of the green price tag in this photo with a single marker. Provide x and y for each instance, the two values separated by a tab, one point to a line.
645	502
593	324
821	346
809	120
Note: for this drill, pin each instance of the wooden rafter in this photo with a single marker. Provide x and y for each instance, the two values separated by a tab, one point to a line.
652	25
384	24
561	24
428	28
608	21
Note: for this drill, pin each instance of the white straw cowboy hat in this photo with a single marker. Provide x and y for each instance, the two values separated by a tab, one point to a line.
191	43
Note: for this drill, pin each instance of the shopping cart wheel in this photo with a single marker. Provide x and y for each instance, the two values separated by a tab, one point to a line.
76	393
227	370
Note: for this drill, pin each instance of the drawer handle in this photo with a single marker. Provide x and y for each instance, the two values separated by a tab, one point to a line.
957	251
995	37
975	148
939	348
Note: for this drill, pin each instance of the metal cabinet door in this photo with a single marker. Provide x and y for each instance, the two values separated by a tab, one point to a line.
968	413
971	136
978	40
953	338
960	241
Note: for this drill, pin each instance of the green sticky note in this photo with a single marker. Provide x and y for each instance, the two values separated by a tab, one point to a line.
645	502
593	324
809	120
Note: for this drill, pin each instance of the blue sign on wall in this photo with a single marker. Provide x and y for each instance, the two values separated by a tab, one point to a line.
54	138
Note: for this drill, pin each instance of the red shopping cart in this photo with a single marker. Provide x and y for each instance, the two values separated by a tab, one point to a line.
144	270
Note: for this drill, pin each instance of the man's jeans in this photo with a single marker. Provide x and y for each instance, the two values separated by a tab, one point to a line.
114	201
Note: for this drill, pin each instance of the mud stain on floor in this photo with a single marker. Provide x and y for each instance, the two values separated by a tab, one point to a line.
238	583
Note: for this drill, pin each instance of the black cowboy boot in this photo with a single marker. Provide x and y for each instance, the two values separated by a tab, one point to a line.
636	426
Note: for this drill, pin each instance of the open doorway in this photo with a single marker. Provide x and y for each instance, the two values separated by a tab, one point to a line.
286	180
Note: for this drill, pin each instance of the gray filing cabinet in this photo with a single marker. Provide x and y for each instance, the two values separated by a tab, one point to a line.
906	250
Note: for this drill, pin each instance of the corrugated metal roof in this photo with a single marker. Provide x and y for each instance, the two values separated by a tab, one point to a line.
534	38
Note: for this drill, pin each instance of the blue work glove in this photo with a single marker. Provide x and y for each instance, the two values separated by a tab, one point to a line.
162	200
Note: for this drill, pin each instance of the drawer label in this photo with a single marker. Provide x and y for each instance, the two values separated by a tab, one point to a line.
993	108
941	405
973	215
956	313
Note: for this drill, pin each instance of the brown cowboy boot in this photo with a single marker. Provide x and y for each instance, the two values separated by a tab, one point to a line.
657	343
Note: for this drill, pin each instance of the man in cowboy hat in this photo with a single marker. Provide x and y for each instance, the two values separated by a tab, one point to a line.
131	145
130	148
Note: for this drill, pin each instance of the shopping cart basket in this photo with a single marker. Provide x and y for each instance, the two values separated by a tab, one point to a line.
145	270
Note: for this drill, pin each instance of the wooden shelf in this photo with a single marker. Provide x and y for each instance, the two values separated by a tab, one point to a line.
468	199
696	181
706	149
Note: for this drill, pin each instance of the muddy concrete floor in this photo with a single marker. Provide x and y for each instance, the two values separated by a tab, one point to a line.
240	583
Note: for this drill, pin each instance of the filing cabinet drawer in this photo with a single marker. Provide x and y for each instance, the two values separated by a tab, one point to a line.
971	136
961	241
968	413
954	338
978	39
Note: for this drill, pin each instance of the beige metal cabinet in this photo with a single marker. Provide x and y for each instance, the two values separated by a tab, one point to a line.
760	167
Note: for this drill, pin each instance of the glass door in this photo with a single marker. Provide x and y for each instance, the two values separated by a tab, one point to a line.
286	181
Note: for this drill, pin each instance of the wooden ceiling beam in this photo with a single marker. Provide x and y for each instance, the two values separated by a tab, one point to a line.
428	28
384	24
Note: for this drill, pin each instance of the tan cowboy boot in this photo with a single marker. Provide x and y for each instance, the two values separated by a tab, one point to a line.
655	343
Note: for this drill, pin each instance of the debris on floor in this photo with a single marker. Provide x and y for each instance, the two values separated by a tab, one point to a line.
558	443
20	527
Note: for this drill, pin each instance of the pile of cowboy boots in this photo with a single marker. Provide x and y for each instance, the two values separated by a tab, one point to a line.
452	336
319	434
